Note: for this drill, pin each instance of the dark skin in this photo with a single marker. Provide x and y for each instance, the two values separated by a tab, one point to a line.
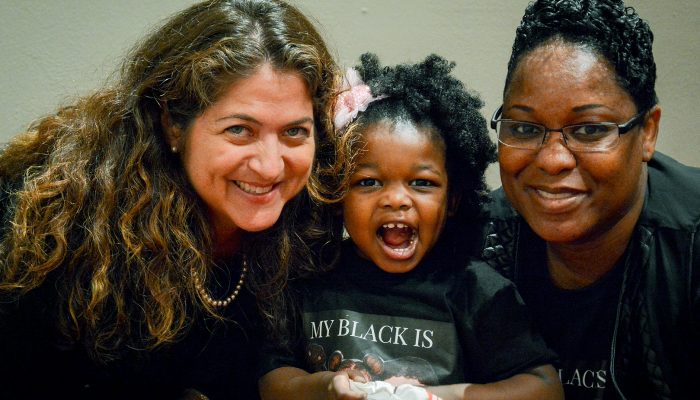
584	205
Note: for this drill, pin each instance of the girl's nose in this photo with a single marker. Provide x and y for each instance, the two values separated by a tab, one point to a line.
396	198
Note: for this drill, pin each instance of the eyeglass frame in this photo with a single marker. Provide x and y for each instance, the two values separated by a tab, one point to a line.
621	129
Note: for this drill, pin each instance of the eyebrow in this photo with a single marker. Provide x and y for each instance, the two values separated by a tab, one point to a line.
427	167
422	167
522	108
249	118
367	165
576	109
587	107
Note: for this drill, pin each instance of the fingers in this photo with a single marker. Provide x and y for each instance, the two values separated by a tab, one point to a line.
339	389
357	376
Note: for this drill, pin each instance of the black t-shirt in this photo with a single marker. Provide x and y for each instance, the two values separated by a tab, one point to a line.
577	324
440	323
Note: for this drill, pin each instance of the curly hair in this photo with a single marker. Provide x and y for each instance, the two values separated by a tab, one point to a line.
606	27
96	202
427	95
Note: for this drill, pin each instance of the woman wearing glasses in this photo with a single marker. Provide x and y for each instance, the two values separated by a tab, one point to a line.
602	235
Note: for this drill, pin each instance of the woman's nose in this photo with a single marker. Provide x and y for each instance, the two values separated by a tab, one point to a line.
553	156
268	161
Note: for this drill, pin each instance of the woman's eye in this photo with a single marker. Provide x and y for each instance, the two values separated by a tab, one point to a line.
591	129
298	132
237	130
525	130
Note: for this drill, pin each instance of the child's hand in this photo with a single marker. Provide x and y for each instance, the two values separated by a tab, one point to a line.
382	390
339	388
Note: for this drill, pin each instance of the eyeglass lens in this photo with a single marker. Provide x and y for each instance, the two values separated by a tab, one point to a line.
586	137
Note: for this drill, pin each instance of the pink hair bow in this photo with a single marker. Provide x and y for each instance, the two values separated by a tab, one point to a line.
355	97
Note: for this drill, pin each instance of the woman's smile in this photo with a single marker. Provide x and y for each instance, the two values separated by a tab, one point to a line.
254	189
556	200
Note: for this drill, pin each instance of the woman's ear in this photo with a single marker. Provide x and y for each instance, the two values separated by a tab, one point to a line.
172	132
650	132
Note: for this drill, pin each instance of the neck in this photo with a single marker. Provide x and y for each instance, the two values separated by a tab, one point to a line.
226	245
575	267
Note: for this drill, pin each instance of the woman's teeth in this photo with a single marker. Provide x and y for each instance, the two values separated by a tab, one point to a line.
253	189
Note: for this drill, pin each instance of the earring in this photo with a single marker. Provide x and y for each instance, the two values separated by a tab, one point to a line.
173	149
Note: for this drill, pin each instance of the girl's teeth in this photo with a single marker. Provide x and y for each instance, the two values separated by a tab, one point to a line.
397	225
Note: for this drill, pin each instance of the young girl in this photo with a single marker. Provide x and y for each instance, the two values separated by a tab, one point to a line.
403	306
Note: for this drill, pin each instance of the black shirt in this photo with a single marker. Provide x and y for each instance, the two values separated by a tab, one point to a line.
442	323
577	324
215	357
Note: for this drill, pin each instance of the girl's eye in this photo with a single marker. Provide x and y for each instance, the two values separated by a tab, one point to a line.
367	182
422	182
298	132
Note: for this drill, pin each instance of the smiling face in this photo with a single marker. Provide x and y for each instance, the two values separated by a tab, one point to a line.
251	151
570	197
396	206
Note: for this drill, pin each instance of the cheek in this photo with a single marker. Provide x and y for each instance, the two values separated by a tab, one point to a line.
439	219
300	160
511	163
608	169
204	156
439	207
355	215
612	179
196	167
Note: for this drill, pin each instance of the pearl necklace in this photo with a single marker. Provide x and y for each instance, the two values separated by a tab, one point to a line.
228	300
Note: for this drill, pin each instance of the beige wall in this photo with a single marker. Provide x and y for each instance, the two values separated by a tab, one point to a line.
54	50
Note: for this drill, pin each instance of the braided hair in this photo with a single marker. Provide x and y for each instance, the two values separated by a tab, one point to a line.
607	27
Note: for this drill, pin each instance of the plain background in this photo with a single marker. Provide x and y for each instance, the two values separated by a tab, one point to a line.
53	51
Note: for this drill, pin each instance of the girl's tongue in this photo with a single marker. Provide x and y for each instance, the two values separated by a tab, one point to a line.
397	237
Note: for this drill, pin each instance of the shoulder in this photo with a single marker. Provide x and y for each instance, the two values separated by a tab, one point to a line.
673	194
498	207
478	283
500	234
502	219
670	220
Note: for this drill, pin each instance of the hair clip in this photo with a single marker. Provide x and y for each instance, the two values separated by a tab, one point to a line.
355	97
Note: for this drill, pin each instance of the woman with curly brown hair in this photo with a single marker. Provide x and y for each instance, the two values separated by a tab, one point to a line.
149	229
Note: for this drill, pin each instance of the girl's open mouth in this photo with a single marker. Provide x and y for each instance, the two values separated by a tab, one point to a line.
398	240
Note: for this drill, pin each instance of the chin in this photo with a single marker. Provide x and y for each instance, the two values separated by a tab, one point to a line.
259	223
393	267
559	235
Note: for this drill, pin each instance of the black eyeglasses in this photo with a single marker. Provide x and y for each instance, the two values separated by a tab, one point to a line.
589	137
